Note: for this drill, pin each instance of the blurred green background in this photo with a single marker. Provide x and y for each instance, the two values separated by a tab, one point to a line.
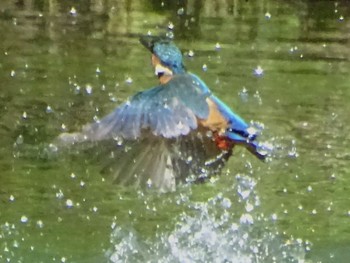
64	63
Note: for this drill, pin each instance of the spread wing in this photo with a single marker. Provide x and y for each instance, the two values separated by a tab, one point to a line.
160	163
168	110
144	162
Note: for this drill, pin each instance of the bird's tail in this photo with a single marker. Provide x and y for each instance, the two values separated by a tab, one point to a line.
247	138
257	150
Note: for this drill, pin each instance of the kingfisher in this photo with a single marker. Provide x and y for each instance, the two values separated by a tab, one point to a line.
177	131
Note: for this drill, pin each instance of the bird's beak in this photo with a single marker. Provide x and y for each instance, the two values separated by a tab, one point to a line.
149	41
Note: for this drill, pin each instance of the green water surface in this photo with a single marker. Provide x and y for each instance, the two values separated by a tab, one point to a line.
284	64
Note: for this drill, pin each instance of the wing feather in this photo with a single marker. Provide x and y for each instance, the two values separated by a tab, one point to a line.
168	110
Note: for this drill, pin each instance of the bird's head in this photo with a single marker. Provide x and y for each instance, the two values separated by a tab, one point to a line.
166	57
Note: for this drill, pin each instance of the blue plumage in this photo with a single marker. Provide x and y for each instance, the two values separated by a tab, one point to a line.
168	110
166	51
237	126
176	129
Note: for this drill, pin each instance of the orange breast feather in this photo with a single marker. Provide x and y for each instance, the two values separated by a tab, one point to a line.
217	124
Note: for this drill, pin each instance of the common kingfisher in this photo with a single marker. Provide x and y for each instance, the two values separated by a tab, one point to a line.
177	131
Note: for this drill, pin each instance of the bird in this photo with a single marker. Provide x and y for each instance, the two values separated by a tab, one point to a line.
176	132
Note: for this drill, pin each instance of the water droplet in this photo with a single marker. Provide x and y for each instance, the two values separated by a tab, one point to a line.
189	159
292	152
59	194
249	207
170	34
226	203
88	89
128	80
258	71
181	11
24	219
77	88
149	182
246	219
274	217
19	139
69	203
171	26
244	194
258	97
73	11
48	109
252	131
53	147
213	179
204	67
96	119
40	224
244	94
305	124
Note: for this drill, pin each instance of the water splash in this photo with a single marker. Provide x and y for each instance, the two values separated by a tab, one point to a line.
212	231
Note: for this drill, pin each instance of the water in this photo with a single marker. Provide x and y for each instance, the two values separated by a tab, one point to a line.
283	65
212	232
